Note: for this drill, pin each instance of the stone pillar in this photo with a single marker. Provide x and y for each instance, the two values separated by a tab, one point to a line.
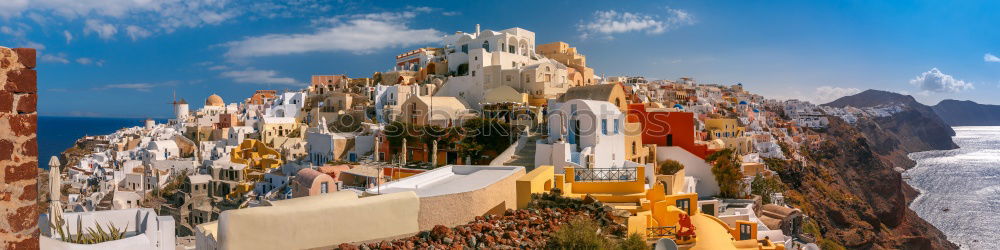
18	149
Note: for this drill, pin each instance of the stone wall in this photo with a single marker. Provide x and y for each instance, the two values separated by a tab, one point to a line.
18	149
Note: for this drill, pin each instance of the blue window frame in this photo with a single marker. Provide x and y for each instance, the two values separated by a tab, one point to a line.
604	126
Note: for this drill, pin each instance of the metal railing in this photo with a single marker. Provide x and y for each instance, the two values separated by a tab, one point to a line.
606	174
669	231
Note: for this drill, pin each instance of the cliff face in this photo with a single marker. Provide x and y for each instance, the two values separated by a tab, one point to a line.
968	113
853	192
850	182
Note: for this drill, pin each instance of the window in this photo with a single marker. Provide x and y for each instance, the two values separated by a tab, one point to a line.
465	48
616	126
473	73
324	188
634	151
508	78
486	46
604	126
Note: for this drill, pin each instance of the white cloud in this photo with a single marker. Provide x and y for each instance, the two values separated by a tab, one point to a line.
935	81
825	94
451	13
154	16
89	61
144	87
218	67
69	36
30	44
55	58
608	23
136	32
357	34
258	76
990	58
103	30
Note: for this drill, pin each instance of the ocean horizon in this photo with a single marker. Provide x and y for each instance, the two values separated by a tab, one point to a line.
57	133
960	188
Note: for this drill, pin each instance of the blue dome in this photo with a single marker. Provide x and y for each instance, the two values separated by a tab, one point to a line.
678	106
756	111
743	102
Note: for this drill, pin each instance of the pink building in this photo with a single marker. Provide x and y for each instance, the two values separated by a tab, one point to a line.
309	182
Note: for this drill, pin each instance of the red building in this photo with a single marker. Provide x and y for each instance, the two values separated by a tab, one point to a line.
665	128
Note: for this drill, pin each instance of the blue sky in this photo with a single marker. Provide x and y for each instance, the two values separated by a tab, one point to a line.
126	58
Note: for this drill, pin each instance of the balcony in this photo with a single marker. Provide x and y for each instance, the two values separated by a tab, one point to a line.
606	174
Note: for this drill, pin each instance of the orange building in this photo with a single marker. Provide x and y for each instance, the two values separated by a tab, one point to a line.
262	96
666	128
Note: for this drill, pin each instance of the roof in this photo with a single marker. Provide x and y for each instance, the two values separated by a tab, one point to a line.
276	120
449	180
214	100
442	102
599	92
306	176
363	171
201	178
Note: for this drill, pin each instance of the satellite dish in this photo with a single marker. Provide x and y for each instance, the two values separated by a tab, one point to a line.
665	244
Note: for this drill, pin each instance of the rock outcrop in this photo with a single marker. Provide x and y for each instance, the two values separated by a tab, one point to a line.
968	113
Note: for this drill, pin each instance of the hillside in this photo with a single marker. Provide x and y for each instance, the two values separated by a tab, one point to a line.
915	128
854	194
968	113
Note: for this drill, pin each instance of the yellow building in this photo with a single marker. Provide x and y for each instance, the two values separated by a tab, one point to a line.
256	155
656	212
568	56
723	128
272	128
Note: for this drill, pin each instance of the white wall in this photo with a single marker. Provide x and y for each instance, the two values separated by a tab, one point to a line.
693	167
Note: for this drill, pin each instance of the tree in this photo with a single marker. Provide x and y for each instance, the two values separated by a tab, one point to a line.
727	173
670	167
765	186
484	135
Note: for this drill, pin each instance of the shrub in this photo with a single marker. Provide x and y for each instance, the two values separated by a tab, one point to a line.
670	167
827	244
579	233
633	242
765	186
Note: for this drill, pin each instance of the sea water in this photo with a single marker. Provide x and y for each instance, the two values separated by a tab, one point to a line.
960	188
56	134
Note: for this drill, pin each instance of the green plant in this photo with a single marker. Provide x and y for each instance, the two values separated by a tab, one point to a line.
727	173
827	244
670	167
93	235
633	242
765	186
579	233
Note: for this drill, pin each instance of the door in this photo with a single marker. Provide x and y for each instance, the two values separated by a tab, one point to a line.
352	157
684	204
745	231
670	140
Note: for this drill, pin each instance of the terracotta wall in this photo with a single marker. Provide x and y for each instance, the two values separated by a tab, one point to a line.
18	149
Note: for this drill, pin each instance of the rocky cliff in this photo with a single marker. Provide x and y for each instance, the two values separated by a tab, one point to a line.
968	113
849	181
855	193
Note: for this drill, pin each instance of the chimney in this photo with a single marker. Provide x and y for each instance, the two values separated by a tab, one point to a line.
477	30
